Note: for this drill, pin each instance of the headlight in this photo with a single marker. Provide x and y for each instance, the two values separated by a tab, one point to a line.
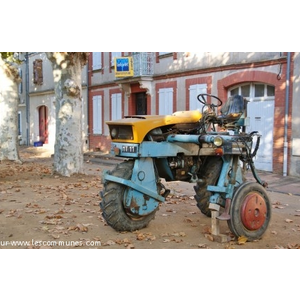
114	132
121	132
218	141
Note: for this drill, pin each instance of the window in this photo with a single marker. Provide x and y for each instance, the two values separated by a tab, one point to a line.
259	90
113	55
245	90
38	72
165	101
116	106
254	90
19	123
270	90
194	91
97	60
97	114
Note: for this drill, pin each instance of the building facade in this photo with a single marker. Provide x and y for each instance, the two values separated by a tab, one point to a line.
165	82
37	111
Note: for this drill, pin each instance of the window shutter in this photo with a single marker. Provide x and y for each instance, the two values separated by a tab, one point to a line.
113	55
165	101
97	61
116	106
97	114
195	90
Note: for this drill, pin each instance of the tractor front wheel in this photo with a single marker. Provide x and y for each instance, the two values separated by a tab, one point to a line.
112	204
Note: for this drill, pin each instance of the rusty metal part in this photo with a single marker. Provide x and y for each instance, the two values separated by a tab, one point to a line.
254	211
225	215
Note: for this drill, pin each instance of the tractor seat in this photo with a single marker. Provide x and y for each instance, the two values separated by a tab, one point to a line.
232	109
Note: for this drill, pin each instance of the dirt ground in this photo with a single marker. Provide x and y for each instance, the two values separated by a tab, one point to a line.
40	210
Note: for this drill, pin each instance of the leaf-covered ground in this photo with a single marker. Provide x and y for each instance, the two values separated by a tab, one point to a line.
42	210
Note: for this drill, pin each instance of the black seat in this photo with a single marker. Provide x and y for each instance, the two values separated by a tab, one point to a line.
232	110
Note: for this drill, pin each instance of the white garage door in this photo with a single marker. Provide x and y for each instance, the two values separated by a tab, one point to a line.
261	114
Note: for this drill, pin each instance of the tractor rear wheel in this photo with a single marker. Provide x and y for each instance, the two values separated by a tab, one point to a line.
250	211
208	175
113	210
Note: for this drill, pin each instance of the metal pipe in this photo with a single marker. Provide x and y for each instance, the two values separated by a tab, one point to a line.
287	93
27	98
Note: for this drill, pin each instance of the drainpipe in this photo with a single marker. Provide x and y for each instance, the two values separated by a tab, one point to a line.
287	93
87	138
27	98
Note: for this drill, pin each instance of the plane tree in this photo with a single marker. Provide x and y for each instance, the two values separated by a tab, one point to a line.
68	148
9	98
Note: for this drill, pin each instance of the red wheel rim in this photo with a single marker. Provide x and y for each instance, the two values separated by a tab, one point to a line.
254	211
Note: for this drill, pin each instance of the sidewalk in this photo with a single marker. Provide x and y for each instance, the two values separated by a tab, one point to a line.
278	183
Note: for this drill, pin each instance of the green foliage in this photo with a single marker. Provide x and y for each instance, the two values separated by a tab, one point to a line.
9	56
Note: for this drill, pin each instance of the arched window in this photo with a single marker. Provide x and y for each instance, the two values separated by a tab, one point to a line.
253	91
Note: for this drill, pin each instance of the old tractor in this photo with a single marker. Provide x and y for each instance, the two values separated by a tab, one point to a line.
209	148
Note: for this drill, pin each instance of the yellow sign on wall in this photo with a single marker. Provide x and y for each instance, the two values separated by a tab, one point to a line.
123	66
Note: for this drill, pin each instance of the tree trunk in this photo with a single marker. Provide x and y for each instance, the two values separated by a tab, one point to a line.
9	79
68	148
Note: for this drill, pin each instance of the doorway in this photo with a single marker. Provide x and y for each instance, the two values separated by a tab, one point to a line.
141	103
43	124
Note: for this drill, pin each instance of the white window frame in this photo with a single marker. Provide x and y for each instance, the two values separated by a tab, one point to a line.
97	114
97	60
165	104
116	106
252	91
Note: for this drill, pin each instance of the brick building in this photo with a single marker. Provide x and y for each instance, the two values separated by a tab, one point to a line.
164	82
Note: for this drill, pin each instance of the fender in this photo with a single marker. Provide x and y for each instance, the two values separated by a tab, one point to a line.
142	196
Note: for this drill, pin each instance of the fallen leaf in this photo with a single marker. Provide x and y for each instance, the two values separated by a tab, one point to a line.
140	237
54	236
278	206
209	237
242	240
202	246
82	228
109	243
187	220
